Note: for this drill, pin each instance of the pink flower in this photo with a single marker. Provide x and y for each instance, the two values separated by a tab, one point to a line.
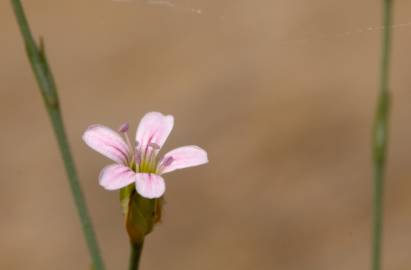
140	164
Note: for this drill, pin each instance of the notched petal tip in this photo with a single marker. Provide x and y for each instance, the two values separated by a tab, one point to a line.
154	127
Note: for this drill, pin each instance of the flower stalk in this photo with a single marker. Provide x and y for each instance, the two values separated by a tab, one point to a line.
380	137
135	254
48	89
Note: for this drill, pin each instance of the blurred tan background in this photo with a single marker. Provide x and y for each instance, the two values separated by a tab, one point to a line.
281	94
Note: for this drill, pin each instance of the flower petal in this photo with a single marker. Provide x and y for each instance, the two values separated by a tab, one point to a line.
154	128
150	185
116	176
182	157
107	142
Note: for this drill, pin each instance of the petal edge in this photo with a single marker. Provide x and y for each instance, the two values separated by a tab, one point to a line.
107	142
154	127
150	185
116	176
182	157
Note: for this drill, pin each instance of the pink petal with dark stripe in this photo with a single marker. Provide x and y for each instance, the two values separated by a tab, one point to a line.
154	129
182	157
150	185
116	176
107	142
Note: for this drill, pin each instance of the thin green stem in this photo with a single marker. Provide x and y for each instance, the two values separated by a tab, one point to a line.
135	254
380	137
48	89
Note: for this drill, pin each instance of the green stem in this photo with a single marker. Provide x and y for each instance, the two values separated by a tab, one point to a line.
135	254
48	89
380	138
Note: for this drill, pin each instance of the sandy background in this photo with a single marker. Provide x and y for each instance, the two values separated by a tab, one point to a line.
281	94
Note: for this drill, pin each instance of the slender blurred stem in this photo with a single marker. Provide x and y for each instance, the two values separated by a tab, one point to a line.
45	80
380	137
135	254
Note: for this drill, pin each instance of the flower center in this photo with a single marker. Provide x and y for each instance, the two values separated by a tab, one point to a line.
143	158
148	158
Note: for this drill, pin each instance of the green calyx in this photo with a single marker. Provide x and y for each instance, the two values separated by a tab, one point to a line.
141	214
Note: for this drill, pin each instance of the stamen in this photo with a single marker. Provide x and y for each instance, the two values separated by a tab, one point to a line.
137	154
165	163
123	128
153	155
154	146
125	134
147	157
